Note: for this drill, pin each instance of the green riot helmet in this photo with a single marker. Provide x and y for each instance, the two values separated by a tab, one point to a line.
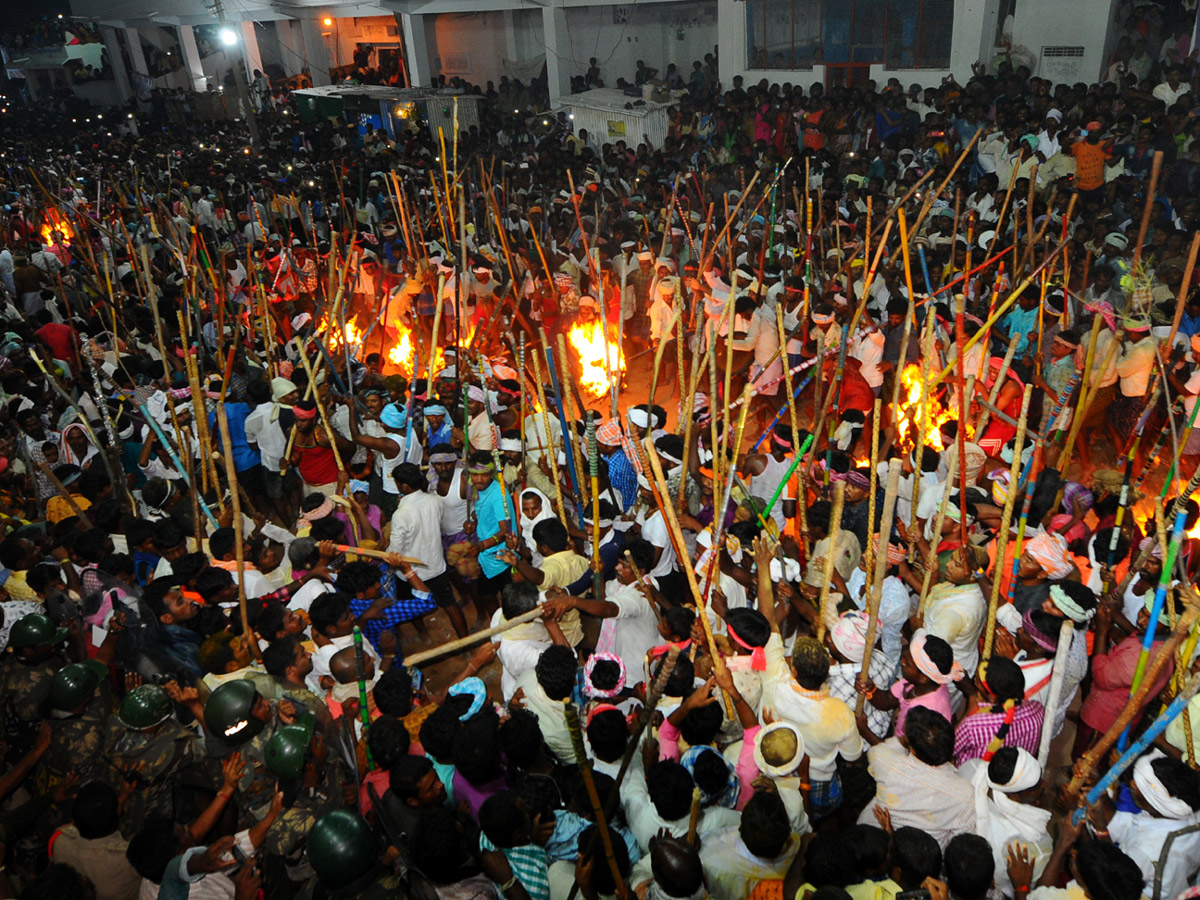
227	712
75	683
341	848
288	748
35	630
144	707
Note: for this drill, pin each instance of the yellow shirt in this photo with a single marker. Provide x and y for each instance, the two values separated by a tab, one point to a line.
559	570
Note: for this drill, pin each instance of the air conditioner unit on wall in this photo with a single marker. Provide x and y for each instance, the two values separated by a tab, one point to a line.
1061	64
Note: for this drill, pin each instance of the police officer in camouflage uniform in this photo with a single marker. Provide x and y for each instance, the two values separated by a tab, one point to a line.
80	700
343	853
313	783
146	742
35	653
238	717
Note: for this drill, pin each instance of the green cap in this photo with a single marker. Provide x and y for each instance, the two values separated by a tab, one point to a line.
288	748
75	683
227	712
144	707
341	848
35	630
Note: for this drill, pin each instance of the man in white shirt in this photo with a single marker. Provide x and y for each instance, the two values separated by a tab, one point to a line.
521	646
417	532
1172	89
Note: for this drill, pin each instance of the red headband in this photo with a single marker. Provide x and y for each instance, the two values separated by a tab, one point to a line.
758	655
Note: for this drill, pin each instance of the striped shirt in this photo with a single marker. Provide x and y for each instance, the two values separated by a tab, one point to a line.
975	732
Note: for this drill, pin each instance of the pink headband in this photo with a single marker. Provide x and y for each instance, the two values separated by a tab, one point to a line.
320	512
916	649
599	708
758	655
780	441
587	675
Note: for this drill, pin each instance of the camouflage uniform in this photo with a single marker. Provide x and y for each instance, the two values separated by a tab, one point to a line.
287	838
76	745
24	688
257	786
385	886
164	753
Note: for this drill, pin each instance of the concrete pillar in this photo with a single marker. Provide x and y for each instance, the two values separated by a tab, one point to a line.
136	57
191	58
731	26
416	45
316	51
113	45
250	51
291	45
555	39
510	35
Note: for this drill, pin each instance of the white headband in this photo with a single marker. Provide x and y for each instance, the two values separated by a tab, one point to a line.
1155	791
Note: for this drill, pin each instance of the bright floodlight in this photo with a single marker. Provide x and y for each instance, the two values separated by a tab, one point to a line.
228	36
328	21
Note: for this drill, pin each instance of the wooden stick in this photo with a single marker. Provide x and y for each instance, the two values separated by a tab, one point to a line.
1010	501
999	383
876	595
1151	190
1184	288
668	511
239	547
931	560
1053	701
1133	708
329	433
550	449
585	769
377	554
835	531
471	639
869	551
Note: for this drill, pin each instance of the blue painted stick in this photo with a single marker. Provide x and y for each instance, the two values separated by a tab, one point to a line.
1160	596
775	421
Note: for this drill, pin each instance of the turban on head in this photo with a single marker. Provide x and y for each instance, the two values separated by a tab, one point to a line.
849	635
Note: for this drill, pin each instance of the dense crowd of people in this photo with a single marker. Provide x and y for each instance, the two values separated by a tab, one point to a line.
844	581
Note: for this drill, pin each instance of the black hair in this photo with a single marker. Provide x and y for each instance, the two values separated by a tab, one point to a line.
608	733
1050	626
389	741
502	819
439	846
152	848
439	733
700	725
751	625
1004	680
211	581
410	475
1045	494
819	515
167	536
12	554
58	880
155	591
406	773
917	855
258	391
1103	538
138	531
1002	765
280	655
393	692
606	674
1107	872
710	772
679	621
329	528
870	845
327	609
42	575
357	577
1179	779
683	676
591	846
939	653
94	810
970	866
828	860
765	826
222	542
269	620
516	598
188	566
521	738
929	736
1080	593
89	544
476	752
551	534
670	788
555	671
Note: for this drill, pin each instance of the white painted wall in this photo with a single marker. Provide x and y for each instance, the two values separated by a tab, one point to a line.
1037	24
470	46
1085	23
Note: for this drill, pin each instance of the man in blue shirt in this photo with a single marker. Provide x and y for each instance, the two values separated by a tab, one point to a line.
1022	320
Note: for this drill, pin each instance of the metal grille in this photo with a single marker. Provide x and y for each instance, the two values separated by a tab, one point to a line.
797	34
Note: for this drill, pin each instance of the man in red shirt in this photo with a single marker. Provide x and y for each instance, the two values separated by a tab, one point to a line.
60	340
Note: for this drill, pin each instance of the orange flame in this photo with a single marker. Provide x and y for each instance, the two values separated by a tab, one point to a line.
55	222
589	342
908	419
